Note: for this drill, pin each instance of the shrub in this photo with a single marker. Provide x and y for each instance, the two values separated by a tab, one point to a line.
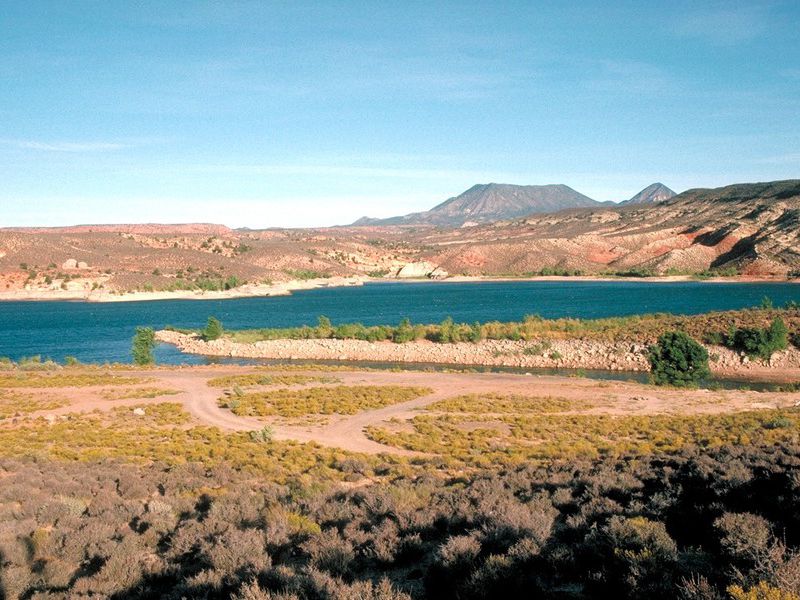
640	558
761	591
213	329
779	422
343	400
232	282
265	378
324	327
678	360
144	341
743	536
263	435
759	342
404	332
637	329
660	528
304	274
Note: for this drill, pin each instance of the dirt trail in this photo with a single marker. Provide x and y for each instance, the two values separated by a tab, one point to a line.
201	402
347	431
342	431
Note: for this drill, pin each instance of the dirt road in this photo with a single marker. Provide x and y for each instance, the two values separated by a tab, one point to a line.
347	431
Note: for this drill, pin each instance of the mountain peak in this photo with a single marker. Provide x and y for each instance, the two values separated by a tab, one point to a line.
652	194
489	202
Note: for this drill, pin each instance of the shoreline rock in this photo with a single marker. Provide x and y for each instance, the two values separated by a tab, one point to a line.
564	354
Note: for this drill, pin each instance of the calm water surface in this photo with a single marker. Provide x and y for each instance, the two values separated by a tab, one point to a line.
102	332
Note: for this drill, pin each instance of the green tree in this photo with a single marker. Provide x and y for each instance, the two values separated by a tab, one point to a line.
144	341
678	360
778	335
213	330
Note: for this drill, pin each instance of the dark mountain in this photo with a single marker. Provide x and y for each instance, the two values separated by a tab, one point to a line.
490	202
652	194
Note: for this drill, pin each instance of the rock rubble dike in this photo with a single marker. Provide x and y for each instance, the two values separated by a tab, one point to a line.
564	354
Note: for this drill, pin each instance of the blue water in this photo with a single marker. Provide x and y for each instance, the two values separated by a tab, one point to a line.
102	332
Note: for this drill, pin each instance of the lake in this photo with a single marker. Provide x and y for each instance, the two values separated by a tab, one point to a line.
95	332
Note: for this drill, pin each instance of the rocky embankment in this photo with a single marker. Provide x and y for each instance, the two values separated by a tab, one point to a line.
568	354
85	289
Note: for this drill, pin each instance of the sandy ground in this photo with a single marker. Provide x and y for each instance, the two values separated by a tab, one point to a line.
246	291
347	431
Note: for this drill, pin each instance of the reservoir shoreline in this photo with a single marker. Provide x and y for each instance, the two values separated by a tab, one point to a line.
101	331
560	354
286	288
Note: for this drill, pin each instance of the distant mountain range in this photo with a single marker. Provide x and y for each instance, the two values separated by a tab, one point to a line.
491	202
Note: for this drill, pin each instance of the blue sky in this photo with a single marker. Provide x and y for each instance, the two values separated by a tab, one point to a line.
301	114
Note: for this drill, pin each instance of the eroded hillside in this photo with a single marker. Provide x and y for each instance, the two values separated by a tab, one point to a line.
752	228
749	229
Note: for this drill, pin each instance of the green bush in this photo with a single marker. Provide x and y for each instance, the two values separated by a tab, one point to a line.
678	360
759	342
213	330
404	332
144	340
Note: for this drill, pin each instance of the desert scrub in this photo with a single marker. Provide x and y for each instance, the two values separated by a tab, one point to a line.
304	274
197	531
161	436
343	400
134	393
12	403
514	404
515	439
252	379
165	414
65	379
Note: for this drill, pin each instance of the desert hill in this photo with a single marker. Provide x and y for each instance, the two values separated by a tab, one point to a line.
750	229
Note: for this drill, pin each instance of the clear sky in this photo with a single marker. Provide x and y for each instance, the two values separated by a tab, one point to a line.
289	113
